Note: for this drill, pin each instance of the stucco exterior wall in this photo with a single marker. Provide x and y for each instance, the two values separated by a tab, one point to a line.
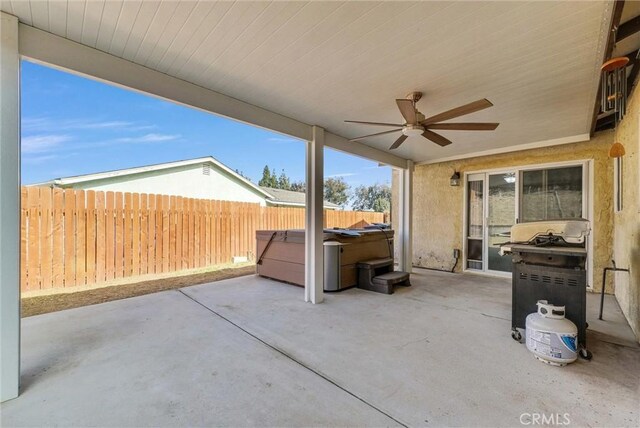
627	222
438	207
187	181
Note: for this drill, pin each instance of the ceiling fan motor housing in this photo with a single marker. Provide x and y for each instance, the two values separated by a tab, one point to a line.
412	130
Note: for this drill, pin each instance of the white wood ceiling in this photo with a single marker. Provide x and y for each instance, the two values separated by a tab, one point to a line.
324	62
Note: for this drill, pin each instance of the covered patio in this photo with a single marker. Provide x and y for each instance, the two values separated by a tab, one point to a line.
247	351
251	351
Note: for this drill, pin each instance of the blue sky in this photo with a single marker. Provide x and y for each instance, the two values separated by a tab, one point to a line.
72	125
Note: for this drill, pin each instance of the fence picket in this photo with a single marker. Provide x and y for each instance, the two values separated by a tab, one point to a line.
110	236
166	239
101	232
69	238
159	234
135	234
151	242
144	234
185	233
178	238
90	265
119	235
46	236
33	244
172	234
127	234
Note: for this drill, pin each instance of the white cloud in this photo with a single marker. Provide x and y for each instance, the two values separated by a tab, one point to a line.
40	159
45	124
33	123
344	174
117	124
42	143
282	140
149	138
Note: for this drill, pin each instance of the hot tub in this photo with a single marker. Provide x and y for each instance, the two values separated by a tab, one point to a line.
281	254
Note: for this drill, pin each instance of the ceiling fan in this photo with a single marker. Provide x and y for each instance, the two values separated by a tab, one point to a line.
417	124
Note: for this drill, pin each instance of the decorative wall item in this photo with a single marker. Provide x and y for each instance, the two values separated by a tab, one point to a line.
614	87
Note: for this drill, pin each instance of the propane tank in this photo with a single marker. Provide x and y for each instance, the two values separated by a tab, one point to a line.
551	337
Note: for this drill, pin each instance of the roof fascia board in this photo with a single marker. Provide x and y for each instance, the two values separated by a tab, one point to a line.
547	143
234	174
127	171
49	49
295	204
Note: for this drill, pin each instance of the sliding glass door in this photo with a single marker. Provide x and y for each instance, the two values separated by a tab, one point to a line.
491	211
475	222
501	215
495	201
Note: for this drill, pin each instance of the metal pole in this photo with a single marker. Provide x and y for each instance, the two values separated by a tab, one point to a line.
604	279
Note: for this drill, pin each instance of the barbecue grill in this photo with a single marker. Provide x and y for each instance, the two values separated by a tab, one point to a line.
549	259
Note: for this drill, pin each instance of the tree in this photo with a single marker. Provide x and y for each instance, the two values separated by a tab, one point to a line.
299	186
283	181
268	179
372	198
336	190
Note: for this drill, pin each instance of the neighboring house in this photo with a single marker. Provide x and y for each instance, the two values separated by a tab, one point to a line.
202	178
289	198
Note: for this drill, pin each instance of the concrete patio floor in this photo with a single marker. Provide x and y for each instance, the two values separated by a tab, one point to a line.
249	352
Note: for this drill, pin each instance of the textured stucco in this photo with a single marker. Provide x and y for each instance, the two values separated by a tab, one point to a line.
438	207
627	222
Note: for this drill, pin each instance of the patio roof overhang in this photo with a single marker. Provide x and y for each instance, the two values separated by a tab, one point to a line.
288	66
301	69
49	49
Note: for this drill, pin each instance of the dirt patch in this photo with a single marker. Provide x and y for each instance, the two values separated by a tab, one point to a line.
57	302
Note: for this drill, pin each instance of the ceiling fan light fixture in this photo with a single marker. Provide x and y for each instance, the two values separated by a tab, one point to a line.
412	130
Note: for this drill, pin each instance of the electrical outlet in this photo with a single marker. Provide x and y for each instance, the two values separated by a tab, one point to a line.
456	253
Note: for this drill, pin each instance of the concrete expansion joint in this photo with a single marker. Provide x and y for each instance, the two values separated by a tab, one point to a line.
290	357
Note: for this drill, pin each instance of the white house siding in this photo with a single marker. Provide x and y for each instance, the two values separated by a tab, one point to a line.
187	181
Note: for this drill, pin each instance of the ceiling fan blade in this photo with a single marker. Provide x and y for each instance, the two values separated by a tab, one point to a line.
459	111
399	141
436	138
374	135
374	123
408	111
464	126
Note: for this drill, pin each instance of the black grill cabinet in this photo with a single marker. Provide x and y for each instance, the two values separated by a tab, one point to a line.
556	274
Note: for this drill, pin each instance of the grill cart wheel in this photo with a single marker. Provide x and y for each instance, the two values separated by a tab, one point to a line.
515	334
585	354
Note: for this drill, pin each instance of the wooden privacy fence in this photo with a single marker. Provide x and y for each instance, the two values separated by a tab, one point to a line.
75	238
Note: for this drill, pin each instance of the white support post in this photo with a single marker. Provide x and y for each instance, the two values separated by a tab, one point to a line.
314	257
405	218
9	208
